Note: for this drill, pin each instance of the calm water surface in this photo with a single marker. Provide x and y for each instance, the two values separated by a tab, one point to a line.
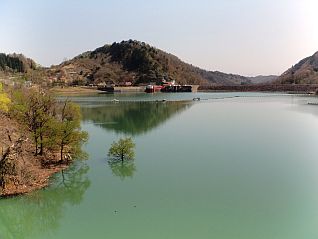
232	166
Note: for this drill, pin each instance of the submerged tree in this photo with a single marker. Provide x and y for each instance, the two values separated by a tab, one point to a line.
121	155
122	150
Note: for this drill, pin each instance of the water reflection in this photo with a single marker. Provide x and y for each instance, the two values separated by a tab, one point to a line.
40	212
133	118
125	169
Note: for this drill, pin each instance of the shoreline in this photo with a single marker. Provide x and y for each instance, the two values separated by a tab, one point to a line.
82	90
73	90
42	182
288	89
30	172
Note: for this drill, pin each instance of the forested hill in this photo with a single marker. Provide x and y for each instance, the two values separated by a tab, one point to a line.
16	63
304	72
136	62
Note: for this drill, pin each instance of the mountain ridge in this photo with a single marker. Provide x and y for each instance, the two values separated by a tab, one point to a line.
131	62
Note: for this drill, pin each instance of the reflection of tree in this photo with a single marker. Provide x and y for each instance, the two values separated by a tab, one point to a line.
134	117
40	212
122	169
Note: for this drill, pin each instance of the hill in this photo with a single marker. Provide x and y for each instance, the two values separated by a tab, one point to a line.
16	63
304	72
135	62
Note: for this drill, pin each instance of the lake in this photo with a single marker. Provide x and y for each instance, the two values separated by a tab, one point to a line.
231	166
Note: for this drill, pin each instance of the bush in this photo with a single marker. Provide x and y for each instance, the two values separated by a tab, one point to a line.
4	100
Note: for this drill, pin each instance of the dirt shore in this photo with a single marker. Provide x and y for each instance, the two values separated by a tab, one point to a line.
74	90
20	171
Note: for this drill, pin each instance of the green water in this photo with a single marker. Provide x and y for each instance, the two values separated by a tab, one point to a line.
226	167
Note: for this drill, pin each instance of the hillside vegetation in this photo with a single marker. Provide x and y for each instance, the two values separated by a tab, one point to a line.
16	63
304	72
135	62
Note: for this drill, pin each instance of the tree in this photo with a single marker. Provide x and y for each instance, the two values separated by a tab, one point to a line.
67	129
122	150
34	109
53	127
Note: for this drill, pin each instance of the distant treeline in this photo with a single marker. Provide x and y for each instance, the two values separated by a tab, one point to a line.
305	88
16	63
13	63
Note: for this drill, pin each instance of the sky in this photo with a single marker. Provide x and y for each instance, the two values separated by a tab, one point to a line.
247	37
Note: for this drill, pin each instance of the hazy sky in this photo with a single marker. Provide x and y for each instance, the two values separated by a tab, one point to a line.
248	37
